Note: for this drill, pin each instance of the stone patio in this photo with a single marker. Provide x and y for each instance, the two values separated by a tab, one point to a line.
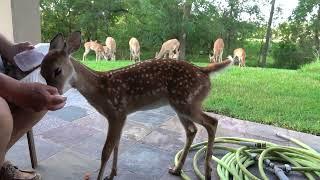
69	141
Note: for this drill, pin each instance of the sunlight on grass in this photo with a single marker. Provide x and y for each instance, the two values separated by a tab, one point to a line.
285	98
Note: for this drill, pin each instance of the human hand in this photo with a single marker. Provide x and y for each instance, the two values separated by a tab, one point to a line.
38	97
17	48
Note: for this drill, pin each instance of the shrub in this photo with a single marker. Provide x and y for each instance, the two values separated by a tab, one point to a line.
288	55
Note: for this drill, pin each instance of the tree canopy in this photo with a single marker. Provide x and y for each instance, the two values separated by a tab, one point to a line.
196	23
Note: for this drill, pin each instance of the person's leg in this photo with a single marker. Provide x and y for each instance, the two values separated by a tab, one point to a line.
6	124
23	121
20	121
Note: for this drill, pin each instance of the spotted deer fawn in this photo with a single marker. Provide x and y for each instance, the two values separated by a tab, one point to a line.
240	55
141	86
217	51
96	47
134	49
169	49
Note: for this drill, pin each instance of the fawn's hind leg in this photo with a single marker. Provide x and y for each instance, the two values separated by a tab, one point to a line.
210	123
195	114
191	131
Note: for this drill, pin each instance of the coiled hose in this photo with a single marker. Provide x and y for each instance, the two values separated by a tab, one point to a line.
281	160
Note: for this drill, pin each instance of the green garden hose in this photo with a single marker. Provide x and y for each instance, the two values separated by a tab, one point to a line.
281	160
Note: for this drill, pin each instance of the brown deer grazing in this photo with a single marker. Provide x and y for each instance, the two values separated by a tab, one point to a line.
96	47
141	86
134	49
217	51
111	48
240	55
169	49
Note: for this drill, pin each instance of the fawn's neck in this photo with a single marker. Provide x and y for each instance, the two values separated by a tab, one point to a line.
84	79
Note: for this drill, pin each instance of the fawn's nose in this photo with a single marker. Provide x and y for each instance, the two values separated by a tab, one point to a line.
236	60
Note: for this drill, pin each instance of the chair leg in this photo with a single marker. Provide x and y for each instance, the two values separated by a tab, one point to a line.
32	149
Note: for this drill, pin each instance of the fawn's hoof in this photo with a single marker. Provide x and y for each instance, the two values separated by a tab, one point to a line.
108	178
174	171
112	175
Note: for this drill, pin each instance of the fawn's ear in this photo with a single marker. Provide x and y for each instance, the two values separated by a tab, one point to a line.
57	42
73	42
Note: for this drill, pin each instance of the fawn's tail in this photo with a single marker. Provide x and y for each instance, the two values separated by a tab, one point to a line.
216	67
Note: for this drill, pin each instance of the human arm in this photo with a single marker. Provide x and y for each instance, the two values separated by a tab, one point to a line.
33	96
8	49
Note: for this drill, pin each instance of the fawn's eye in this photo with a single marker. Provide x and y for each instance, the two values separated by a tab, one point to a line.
57	72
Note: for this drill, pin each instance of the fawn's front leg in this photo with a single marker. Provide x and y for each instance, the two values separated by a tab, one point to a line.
113	137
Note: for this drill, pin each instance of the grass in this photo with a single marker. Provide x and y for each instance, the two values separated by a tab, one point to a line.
284	98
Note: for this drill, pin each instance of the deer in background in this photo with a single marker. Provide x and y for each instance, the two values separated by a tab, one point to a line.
240	55
134	49
217	51
141	86
110	49
169	49
96	47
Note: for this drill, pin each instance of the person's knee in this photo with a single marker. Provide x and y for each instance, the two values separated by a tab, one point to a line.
6	124
6	121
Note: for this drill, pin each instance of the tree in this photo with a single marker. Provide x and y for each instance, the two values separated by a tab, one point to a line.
185	21
92	17
234	28
265	48
306	9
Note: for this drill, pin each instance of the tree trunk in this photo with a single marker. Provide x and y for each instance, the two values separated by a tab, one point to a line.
264	52
316	31
183	35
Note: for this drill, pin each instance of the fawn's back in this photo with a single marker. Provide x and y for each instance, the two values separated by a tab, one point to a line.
154	82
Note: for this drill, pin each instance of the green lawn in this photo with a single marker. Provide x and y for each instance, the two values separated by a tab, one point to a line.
285	98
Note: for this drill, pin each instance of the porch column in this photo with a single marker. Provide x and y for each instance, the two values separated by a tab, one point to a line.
20	20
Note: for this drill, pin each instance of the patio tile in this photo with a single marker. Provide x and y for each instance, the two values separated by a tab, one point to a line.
309	139
168	176
93	145
230	124
265	131
95	121
173	124
69	113
128	175
68	135
167	110
122	174
149	118
134	131
67	165
165	140
222	132
19	153
146	160
76	99
48	122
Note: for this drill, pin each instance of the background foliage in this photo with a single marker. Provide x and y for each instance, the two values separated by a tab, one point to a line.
239	22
